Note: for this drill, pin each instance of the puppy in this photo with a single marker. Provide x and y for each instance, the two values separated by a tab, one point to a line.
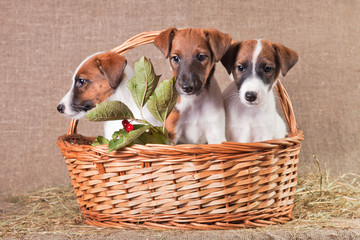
100	77
255	66
198	116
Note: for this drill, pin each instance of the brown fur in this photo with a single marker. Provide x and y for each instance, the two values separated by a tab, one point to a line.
103	73
170	123
187	43
272	54
287	57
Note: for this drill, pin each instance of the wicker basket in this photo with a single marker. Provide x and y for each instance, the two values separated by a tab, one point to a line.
214	186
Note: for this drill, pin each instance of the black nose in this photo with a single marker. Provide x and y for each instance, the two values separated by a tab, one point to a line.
250	96
61	108
187	87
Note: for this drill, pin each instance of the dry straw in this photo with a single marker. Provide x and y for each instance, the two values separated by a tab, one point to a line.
214	186
320	196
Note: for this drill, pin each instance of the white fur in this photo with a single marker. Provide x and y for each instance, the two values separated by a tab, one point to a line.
122	93
256	54
252	121
202	117
253	84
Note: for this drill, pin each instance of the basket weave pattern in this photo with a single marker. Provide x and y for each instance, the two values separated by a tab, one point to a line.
214	186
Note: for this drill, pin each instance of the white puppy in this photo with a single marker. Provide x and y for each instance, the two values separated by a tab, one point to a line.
255	66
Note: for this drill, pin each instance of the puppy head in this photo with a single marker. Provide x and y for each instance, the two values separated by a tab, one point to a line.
95	79
255	66
192	54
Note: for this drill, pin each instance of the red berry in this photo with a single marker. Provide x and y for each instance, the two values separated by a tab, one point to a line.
129	127
125	123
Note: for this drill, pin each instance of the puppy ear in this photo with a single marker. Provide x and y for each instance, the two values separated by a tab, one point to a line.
228	59
287	57
164	39
112	66
219	42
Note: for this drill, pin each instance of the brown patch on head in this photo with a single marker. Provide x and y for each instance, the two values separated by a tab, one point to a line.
97	79
188	45
239	53
277	56
267	59
192	53
287	58
272	58
112	66
218	41
238	60
164	40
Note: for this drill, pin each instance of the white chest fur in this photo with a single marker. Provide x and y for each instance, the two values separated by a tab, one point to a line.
202	117
251	124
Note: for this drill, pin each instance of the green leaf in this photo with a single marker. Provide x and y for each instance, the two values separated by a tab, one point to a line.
162	130
118	133
143	84
100	140
112	110
127	138
137	126
163	100
152	136
114	143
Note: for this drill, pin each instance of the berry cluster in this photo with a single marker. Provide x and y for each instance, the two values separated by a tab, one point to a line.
127	126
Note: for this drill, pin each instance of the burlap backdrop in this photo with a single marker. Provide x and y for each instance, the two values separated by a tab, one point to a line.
42	42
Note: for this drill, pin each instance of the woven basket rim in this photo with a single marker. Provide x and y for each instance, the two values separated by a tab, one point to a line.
252	146
148	37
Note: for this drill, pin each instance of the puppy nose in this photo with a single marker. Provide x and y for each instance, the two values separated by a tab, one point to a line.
61	108
250	96
187	87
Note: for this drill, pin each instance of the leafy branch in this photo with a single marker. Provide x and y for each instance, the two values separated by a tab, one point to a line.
160	101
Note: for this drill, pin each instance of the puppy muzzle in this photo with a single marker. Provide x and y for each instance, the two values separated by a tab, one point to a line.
253	91
189	85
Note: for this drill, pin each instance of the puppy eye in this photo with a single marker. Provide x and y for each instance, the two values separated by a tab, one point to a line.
241	68
175	59
80	82
267	69
201	57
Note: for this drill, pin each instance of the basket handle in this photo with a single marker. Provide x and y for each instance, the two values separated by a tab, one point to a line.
287	107
148	37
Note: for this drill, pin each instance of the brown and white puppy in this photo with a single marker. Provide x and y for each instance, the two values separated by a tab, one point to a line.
255	66
198	117
100	77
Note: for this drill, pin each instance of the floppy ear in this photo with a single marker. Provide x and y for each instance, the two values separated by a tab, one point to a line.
229	58
287	57
112	66
164	39
219	42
